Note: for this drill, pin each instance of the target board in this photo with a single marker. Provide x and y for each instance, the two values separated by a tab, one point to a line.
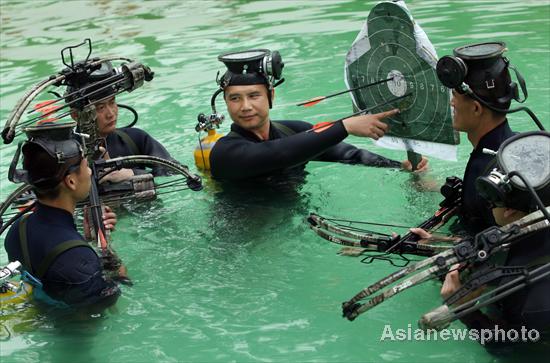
392	47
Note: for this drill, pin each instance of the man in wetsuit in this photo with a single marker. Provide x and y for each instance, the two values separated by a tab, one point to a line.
481	95
530	306
122	141
46	241
260	147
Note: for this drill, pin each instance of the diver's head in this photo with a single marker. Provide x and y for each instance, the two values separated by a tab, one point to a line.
478	73
99	90
250	68
522	161
248	106
93	87
54	163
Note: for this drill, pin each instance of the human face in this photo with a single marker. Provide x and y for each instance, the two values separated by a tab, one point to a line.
504	216
107	114
83	176
463	112
248	106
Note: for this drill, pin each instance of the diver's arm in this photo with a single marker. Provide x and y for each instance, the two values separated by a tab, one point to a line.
237	158
344	152
148	145
349	154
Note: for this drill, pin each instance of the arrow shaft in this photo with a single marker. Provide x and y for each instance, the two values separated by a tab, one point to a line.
346	91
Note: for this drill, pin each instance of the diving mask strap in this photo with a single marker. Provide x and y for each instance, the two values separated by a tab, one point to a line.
522	84
279	82
17	175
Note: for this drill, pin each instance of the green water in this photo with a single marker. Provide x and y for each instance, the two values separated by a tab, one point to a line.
243	278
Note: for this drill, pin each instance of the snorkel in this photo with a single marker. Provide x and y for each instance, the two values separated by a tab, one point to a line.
481	72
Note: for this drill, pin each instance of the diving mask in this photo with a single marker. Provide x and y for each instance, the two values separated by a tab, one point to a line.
522	174
59	142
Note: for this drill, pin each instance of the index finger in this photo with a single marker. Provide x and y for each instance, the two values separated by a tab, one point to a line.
383	115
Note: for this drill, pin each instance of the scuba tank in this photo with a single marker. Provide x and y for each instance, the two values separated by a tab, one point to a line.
13	292
202	151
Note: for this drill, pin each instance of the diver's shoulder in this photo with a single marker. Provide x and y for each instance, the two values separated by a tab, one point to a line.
133	131
295	125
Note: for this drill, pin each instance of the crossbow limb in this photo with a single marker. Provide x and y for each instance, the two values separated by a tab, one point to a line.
479	249
353	233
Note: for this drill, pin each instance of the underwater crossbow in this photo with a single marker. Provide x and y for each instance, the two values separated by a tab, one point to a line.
79	96
469	251
377	245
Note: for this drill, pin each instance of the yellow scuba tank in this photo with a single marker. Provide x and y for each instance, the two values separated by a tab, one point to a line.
208	124
12	292
202	151
17	293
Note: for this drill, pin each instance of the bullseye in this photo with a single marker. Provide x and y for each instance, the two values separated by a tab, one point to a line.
398	85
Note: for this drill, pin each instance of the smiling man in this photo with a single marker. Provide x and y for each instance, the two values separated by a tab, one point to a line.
260	147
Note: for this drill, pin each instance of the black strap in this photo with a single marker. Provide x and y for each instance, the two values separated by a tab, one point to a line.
128	141
56	251
24	243
50	257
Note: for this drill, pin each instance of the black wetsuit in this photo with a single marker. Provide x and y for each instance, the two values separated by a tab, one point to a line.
242	155
133	141
75	276
475	214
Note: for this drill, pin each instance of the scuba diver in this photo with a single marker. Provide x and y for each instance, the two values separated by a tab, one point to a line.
260	147
119	141
511	200
482	91
64	269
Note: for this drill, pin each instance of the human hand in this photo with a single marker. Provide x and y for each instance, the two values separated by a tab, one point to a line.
117	176
109	221
421	232
109	218
452	282
420	168
368	125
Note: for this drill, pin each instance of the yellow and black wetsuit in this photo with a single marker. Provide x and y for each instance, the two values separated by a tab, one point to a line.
291	145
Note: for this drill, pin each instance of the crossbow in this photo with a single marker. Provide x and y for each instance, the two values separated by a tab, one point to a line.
362	241
468	251
130	76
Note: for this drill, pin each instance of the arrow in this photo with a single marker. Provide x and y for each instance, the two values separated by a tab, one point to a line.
316	100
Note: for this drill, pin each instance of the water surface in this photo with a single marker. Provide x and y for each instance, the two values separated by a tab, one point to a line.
244	279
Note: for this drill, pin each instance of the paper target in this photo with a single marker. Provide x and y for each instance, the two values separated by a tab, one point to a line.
388	49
